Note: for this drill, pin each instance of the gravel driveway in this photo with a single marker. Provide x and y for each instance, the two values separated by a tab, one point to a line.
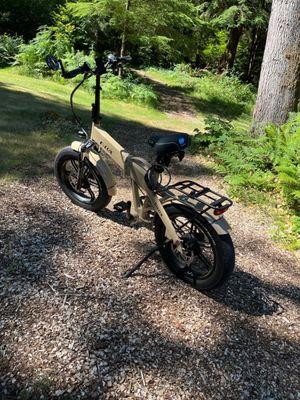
71	328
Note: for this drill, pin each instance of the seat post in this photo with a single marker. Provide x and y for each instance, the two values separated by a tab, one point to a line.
100	70
96	105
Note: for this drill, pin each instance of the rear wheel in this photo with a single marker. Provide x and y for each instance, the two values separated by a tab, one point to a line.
207	259
92	193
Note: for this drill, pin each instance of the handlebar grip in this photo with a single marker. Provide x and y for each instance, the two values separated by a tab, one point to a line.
80	70
73	73
125	58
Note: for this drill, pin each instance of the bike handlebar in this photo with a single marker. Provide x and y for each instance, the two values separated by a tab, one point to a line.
83	69
124	59
55	64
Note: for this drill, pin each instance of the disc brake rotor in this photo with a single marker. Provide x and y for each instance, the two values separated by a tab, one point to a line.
187	254
193	246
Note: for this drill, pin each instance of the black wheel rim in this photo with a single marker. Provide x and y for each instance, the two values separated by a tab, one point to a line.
199	250
91	187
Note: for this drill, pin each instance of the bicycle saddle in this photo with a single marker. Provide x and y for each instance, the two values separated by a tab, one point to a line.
169	144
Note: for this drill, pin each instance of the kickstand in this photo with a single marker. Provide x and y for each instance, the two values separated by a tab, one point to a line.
131	271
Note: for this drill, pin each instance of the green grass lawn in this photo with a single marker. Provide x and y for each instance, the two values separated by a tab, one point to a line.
35	121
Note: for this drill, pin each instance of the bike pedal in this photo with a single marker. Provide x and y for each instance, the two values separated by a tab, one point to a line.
121	206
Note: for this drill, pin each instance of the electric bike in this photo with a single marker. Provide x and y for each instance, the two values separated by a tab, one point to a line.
190	230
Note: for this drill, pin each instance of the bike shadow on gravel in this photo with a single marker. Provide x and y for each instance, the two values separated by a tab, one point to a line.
243	292
249	295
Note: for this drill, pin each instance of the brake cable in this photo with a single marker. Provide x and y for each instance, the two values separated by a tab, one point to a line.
77	119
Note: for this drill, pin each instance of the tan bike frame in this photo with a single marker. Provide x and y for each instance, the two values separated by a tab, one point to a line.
135	168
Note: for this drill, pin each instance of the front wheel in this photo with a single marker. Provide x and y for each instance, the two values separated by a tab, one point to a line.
92	193
207	259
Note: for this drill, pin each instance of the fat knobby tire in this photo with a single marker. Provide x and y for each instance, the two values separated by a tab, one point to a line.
103	199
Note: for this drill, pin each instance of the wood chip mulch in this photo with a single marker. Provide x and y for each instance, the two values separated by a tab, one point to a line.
72	328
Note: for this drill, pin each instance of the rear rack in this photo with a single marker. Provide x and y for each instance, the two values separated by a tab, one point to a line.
200	197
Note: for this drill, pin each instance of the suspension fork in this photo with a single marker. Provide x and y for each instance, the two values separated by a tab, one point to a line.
88	145
80	171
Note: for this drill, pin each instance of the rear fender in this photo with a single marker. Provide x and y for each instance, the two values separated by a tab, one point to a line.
220	224
101	166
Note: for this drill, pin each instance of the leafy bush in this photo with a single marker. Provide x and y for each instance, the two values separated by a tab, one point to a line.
183	69
116	88
128	90
285	142
216	131
144	95
57	40
224	93
9	48
268	163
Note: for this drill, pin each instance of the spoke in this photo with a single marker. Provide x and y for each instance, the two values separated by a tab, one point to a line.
91	193
188	221
179	230
204	245
72	175
93	183
180	225
74	165
191	229
86	173
204	260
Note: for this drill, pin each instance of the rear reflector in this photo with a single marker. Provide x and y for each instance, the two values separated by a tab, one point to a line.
220	212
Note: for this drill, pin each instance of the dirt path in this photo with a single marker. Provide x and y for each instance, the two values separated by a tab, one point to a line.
71	328
172	101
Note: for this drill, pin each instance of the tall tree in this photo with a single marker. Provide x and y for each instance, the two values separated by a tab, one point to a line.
235	16
278	91
164	27
123	44
24	17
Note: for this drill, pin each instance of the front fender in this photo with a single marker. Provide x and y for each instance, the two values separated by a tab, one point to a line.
101	166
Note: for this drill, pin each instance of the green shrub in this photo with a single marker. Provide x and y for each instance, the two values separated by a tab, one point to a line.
9	48
183	69
286	149
144	95
268	163
224	93
56	40
127	90
116	88
216	131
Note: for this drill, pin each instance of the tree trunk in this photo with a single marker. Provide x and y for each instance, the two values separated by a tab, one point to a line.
228	58
252	53
198	60
279	78
123	44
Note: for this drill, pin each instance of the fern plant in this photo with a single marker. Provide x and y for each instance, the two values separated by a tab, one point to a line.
9	48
